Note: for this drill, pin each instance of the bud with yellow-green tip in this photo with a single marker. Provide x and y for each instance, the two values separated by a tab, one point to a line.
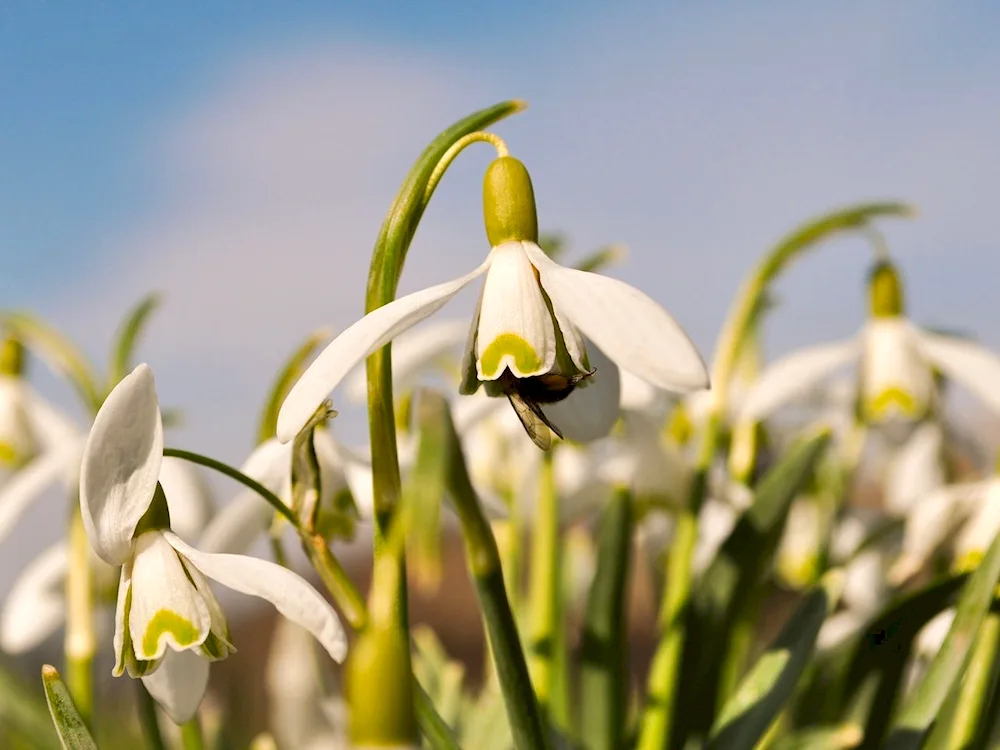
885	291
509	203
12	357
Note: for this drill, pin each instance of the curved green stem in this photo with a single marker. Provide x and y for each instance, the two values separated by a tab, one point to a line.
239	476
544	589
147	717
191	735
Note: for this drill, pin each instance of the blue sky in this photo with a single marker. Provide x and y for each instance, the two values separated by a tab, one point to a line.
240	156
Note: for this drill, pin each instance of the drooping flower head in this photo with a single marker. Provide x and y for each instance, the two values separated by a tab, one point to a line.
166	612
548	337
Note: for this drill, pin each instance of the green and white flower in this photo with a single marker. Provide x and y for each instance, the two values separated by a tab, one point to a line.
531	322
896	362
167	615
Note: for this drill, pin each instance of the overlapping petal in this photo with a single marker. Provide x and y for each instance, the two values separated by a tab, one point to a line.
166	608
121	464
967	363
590	411
516	331
187	497
356	343
630	328
35	606
179	684
34	480
291	595
795	375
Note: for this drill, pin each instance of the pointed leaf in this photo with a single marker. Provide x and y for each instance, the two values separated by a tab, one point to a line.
73	733
129	335
764	691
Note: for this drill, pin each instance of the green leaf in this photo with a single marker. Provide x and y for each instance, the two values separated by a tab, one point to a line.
733	580
600	259
604	649
61	354
290	372
128	338
73	733
841	737
924	703
424	492
764	691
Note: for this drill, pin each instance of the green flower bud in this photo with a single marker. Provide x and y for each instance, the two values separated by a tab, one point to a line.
885	291
509	202
12	356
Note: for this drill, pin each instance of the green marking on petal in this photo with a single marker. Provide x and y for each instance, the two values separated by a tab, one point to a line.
905	402
167	621
526	359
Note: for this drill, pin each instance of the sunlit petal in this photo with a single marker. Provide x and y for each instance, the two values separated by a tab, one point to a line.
970	364
291	595
590	411
516	331
895	379
167	609
795	375
35	606
179	684
634	332
34	480
916	469
352	346
121	464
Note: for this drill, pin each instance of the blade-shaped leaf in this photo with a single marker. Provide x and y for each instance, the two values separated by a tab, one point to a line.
923	705
60	353
73	733
764	691
128	337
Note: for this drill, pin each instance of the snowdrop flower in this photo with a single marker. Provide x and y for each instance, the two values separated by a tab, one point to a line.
964	516
35	608
29	426
168	623
896	359
916	469
527	336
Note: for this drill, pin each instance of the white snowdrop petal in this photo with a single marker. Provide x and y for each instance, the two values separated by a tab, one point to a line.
35	607
916	469
238	525
167	609
50	426
179	684
434	345
896	381
121	464
590	411
22	490
970	364
516	331
291	595
794	376
351	347
630	328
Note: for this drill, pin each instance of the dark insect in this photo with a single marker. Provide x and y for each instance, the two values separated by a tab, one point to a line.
527	395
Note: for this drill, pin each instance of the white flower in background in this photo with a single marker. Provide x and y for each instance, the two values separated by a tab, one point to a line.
168	623
963	517
896	363
797	560
527	337
865	590
35	607
29	425
305	710
247	517
916	469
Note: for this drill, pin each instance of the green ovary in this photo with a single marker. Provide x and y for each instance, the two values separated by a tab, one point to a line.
526	359
167	621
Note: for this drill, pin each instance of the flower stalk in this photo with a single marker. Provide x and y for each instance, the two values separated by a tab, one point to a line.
80	642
